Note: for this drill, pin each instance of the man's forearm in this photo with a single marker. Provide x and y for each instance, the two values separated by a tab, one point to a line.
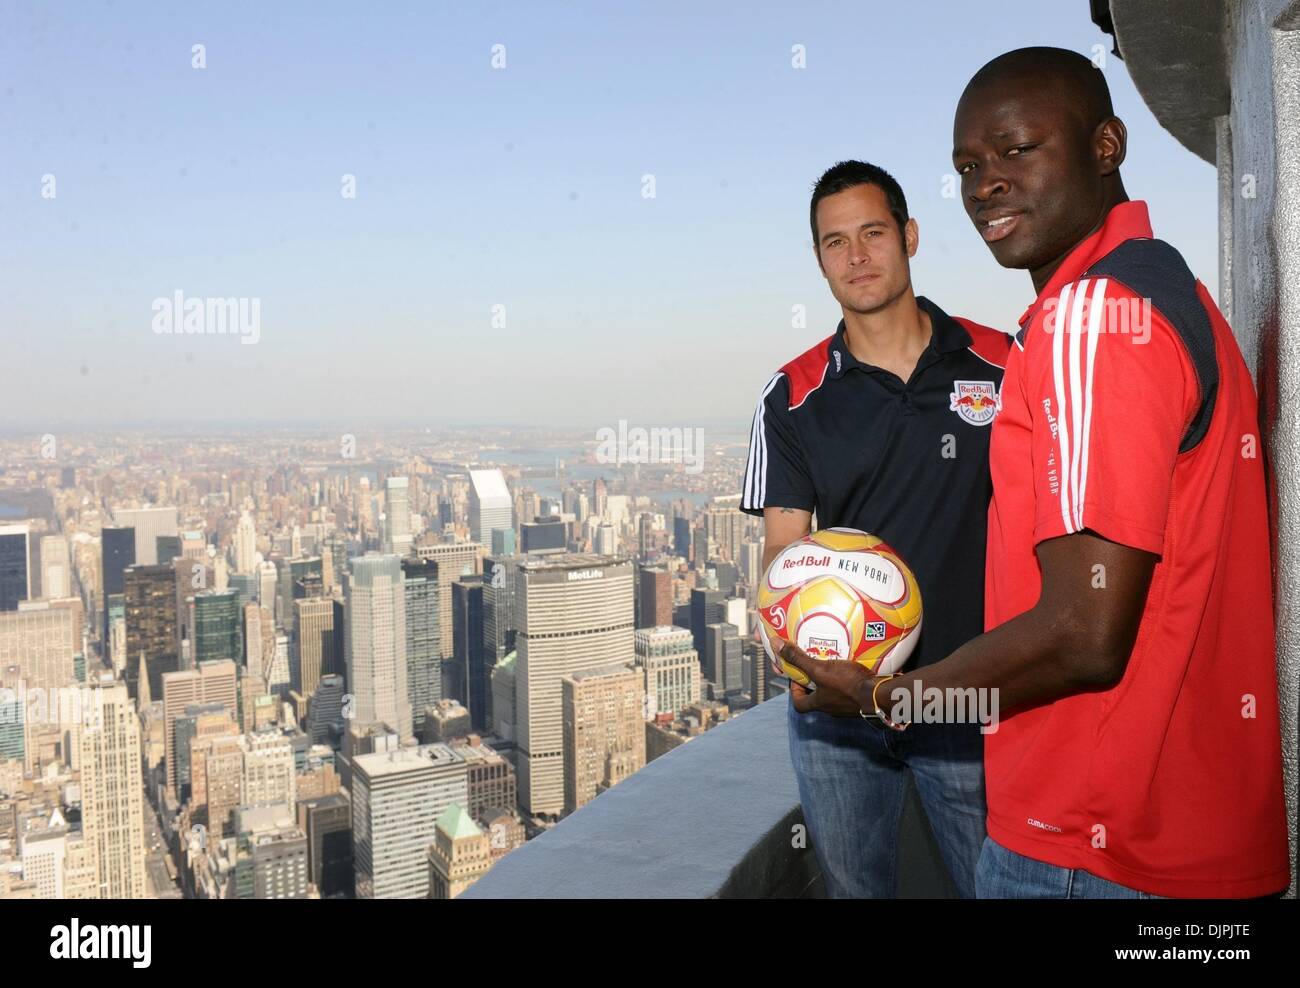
1028	660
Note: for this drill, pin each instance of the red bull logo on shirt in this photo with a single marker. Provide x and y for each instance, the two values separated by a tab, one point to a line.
975	402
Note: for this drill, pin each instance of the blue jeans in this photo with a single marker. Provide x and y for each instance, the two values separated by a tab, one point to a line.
852	774
1007	874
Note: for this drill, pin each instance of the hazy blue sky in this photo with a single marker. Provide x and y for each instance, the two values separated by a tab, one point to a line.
478	187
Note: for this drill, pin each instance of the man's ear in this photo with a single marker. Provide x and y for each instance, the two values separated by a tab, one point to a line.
911	237
1111	143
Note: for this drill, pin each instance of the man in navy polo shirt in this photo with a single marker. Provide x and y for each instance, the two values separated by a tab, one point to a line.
867	429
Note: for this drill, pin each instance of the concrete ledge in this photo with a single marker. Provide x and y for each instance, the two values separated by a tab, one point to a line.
713	818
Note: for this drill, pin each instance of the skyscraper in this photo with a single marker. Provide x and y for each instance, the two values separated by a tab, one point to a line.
148	523
722	659
36	640
490	506
547	534
245	544
461	853
268	770
56	579
149	594
671	668
707	607
211	682
376	643
397	797
15	568
654	597
471	682
313	621
604	730
575	614
118	548
112	794
454	559
397	514
267	581
327	822
423	637
217	626
682	536
725	524
498	622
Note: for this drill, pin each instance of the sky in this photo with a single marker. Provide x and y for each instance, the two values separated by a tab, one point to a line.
499	261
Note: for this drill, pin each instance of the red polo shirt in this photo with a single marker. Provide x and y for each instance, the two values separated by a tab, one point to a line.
1171	781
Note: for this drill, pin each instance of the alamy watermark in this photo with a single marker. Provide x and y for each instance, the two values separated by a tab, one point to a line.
654	445
57	705
200	315
919	704
1130	316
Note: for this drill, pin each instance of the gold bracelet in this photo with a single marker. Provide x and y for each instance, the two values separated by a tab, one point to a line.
876	704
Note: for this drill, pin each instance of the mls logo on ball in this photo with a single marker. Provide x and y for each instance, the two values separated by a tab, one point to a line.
975	401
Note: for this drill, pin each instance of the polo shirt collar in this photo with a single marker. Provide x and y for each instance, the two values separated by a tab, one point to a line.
1125	221
946	336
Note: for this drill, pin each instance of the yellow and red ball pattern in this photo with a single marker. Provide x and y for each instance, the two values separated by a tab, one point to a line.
828	610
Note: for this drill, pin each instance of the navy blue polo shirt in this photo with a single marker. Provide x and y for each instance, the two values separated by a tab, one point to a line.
905	460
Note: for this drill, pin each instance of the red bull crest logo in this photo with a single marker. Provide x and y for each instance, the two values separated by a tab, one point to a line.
823	648
975	401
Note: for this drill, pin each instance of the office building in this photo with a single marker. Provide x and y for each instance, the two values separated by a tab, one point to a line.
210	683
112	794
460	854
376	643
671	669
397	798
490	505
148	524
15	566
149	612
397	517
327	822
654	597
423	637
469	679
604	730
313	621
454	559
575	613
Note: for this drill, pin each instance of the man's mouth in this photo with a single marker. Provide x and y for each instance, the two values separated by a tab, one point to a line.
998	227
862	279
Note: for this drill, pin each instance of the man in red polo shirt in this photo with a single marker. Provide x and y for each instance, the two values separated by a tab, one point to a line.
1129	592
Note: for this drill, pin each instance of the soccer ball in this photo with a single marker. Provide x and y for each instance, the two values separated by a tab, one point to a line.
840	594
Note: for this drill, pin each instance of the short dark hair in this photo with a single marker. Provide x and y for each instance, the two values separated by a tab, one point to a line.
1083	84
850	174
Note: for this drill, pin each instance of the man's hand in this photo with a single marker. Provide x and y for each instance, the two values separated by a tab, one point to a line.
827	699
847	685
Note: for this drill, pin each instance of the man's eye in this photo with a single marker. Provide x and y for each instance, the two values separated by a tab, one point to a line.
962	169
1021	149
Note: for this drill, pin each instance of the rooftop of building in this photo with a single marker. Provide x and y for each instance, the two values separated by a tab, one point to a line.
601	672
570	560
381	763
456	823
